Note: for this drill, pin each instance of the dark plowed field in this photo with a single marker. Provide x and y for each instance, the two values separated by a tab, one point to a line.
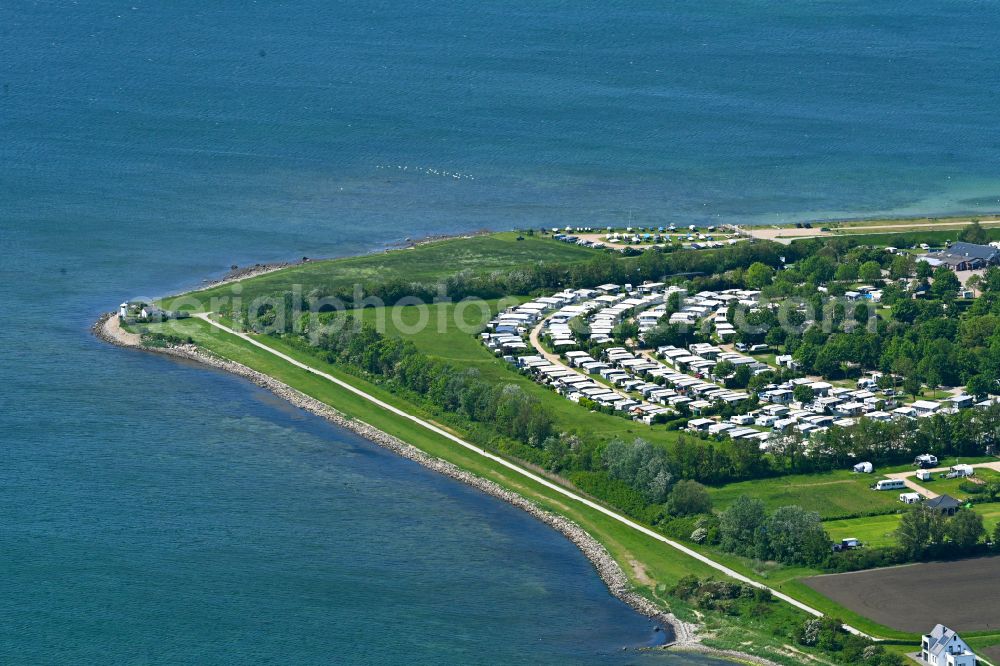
963	595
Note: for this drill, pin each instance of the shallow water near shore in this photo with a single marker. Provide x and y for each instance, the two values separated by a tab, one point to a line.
153	511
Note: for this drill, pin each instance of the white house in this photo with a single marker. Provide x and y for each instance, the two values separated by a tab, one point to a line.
151	312
943	647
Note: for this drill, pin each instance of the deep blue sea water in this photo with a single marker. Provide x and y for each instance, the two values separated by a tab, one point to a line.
156	512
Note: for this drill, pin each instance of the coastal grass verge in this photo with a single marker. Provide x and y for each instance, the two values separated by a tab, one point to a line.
651	571
660	565
652	568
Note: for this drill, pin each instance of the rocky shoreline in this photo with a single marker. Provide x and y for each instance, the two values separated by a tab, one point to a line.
680	634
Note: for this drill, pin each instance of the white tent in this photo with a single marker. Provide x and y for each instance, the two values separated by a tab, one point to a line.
864	468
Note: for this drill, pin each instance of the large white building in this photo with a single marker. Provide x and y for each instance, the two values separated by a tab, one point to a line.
943	647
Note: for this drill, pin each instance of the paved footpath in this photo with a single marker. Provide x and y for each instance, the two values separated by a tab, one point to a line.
526	473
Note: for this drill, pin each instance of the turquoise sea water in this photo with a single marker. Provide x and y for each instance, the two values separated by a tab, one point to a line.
156	512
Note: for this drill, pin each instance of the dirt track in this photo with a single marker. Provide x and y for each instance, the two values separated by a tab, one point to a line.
962	595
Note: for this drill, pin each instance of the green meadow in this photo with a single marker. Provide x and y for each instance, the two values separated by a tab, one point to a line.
426	262
832	495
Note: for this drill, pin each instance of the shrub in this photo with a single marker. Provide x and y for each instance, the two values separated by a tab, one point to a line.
689	498
678	527
970	488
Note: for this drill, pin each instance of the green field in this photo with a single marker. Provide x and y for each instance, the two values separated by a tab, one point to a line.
838	494
427	262
876	531
833	494
951	486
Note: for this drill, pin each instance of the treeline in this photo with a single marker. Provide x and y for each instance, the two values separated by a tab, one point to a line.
966	433
504	407
706	461
790	535
924	533
718	460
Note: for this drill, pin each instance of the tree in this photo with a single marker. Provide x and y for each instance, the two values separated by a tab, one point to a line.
803	393
946	284
758	275
846	272
974	233
625	330
918	529
641	466
724	368
974	282
906	311
924	270
741	378
870	271
740	525
827	361
966	529
978	386
664	334
912	385
689	498
776	336
991	279
796	536
901	267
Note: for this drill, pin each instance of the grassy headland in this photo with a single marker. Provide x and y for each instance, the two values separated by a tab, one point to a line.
653	568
